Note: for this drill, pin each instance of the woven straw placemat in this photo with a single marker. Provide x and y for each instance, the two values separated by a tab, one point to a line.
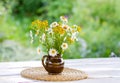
39	73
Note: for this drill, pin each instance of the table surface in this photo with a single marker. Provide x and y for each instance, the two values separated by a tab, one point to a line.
106	70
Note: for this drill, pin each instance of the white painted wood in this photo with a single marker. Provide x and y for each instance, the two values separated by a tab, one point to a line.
106	70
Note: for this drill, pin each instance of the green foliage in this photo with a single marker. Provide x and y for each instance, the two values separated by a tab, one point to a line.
100	26
27	7
44	9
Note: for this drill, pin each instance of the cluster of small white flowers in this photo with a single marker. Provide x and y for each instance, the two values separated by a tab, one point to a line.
31	35
75	26
74	36
43	37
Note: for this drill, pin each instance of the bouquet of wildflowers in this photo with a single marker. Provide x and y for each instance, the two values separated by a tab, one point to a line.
55	37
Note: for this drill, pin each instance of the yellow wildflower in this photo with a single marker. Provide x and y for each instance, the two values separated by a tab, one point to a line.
79	29
40	24
59	30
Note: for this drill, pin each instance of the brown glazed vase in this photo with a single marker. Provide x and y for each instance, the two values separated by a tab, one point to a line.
53	65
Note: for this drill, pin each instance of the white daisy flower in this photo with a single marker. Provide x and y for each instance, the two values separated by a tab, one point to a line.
43	37
63	19
66	27
38	50
64	46
31	41
52	52
54	24
50	31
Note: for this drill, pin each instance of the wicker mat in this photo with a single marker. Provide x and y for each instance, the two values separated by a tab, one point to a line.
39	73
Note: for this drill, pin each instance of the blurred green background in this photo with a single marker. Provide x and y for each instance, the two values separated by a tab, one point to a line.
99	19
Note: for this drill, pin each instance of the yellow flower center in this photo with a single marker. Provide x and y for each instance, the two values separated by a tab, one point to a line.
39	50
65	27
53	51
64	45
73	31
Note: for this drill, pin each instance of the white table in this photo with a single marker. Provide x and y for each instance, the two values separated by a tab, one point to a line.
100	70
